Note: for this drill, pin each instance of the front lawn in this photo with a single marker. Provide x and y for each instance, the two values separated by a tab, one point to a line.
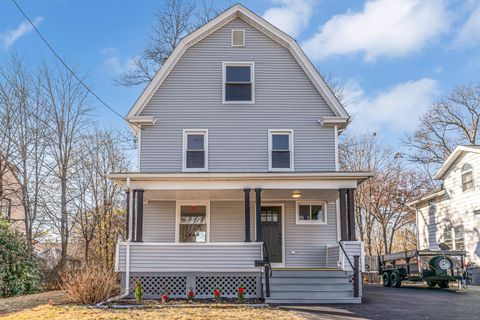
50	312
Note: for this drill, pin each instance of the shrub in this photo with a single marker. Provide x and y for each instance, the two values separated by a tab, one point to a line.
90	284
18	267
138	291
190	295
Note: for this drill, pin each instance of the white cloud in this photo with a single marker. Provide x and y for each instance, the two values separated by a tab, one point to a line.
290	16
9	37
115	64
383	28
398	108
470	31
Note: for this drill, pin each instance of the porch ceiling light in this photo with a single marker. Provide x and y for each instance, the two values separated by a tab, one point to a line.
296	194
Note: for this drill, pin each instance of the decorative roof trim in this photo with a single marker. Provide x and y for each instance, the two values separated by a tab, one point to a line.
239	11
340	122
137	122
453	157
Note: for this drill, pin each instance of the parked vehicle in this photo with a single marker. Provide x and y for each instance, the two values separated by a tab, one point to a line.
434	267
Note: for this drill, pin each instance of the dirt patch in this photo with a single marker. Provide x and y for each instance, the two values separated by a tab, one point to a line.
13	304
75	312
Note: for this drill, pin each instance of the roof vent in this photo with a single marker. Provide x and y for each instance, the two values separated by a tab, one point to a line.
238	37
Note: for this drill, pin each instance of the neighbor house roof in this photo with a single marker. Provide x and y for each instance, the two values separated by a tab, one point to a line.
453	157
239	11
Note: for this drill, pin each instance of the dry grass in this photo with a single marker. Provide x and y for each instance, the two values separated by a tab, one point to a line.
14	304
88	285
72	312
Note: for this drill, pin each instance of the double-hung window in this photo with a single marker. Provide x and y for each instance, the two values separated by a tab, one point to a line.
238	82
280	149
467	177
192	222
454	237
311	212
195	150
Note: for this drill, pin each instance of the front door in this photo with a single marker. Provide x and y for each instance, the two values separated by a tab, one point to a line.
272	232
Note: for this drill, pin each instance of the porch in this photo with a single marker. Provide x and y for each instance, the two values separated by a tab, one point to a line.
203	233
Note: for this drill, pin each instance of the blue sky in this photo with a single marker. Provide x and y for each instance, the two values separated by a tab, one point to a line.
394	57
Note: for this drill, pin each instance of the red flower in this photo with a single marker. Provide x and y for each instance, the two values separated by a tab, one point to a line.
191	293
216	293
164	297
241	290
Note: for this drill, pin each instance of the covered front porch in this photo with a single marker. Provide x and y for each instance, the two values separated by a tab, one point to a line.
200	232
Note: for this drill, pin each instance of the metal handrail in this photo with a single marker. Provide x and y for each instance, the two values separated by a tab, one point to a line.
346	255
267	260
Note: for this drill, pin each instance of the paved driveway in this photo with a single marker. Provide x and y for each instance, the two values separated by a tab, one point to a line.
406	303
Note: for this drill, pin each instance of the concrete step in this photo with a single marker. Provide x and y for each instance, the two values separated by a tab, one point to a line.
307	273
312	301
308	295
311	287
300	281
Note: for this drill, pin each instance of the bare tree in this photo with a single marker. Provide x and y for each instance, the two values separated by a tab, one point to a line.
99	198
381	210
452	121
66	101
177	19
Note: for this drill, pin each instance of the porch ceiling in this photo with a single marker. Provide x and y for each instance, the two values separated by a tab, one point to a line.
267	195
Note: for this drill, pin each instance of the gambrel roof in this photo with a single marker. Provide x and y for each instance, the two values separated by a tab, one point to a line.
239	11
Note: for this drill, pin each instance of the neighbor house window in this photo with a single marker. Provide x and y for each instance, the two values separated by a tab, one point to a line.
192	222
459	235
280	149
5	206
454	237
311	212
447	237
238	82
467	177
195	150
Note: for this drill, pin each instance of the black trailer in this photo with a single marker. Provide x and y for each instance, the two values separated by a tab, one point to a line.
434	267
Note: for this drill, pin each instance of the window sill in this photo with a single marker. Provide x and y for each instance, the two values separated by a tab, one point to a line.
238	102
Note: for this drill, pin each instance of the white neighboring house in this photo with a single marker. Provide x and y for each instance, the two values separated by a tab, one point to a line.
451	213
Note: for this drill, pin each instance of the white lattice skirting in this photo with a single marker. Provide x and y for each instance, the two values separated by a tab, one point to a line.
176	285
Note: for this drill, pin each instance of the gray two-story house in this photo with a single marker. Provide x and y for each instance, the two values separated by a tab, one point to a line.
238	181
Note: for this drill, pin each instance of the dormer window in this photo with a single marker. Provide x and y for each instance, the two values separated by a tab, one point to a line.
238	82
238	38
467	177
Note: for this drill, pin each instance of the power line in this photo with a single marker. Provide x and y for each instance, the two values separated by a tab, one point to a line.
67	67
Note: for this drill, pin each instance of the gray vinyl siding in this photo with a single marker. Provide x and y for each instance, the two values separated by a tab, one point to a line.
190	257
308	241
191	98
159	221
227	223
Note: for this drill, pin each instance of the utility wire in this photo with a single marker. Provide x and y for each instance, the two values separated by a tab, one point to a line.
68	68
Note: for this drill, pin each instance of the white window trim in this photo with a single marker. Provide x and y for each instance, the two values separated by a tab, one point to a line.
186	132
224	78
311	203
231	38
465	172
271	132
180	203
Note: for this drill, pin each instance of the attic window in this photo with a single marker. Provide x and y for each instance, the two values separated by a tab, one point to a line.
238	38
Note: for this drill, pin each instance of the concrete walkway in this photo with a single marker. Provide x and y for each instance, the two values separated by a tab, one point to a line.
406	303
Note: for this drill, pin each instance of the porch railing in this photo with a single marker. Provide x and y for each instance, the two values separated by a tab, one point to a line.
186	257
